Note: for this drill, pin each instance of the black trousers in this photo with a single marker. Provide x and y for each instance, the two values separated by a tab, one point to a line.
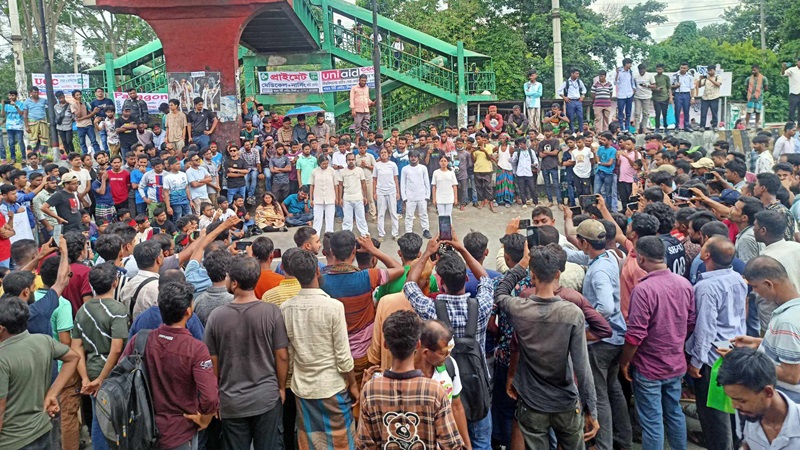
794	107
661	109
66	138
624	190
526	188
705	105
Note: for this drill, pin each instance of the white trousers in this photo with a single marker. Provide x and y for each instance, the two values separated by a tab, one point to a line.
327	212
356	208
387	203
422	207
444	209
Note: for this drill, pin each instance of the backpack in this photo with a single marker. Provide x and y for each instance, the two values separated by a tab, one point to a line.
476	395
135	297
568	83
124	405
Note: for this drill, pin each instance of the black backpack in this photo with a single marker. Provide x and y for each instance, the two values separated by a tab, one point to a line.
124	404
476	395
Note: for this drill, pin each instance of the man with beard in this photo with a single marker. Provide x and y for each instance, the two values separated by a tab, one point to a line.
771	418
64	205
48	222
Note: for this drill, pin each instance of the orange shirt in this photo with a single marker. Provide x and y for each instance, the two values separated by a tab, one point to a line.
389	304
629	278
267	281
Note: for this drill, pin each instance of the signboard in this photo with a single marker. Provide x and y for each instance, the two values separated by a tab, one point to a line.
152	100
288	82
341	80
66	82
186	86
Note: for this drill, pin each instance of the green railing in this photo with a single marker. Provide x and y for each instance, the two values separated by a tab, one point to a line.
153	81
311	17
397	111
435	73
478	82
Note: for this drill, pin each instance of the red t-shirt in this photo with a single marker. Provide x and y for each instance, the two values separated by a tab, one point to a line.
5	244
120	184
78	286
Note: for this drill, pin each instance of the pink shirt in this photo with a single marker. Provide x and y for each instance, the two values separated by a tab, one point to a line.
359	99
626	171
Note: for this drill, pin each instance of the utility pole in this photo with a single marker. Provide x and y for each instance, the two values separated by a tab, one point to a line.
17	49
558	65
763	28
48	80
74	47
376	64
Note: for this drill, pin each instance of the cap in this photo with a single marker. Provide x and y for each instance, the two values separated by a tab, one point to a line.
669	168
68	178
172	160
729	197
703	163
592	230
126	108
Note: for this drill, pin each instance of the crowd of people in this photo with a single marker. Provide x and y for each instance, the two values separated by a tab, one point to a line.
673	264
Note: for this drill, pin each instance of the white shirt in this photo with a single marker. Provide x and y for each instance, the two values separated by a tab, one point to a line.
504	158
764	162
351	184
643	83
783	146
339	159
414	183
788	438
398	46
444	182
324	182
384	173
198	174
452	387
84	179
583	162
793	73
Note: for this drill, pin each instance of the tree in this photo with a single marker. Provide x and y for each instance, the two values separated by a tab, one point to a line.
633	21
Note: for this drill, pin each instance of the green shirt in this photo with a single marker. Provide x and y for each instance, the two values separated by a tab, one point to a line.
248	135
663	82
305	165
26	362
96	324
61	320
395	286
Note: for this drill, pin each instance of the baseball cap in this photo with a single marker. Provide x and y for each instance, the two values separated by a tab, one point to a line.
592	230
703	163
669	168
727	197
68	178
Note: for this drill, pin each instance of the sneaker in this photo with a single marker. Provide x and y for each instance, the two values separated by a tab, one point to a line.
427	234
380	239
284	229
508	205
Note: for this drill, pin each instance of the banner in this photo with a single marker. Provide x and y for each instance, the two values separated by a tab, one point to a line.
152	100
186	86
288	82
340	80
66	82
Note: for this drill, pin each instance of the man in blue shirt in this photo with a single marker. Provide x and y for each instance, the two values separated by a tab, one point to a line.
296	209
606	160
35	118
13	111
572	91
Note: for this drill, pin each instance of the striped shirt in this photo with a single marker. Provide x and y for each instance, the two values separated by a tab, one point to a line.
406	402
782	342
287	289
97	323
152	186
252	158
602	93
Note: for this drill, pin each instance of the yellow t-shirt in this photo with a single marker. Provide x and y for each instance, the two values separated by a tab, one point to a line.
482	163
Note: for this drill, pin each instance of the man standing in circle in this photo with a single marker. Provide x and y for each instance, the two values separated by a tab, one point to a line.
359	106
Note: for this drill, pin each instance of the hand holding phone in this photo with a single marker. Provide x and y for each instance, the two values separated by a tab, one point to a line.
532	234
723	345
524	223
445	228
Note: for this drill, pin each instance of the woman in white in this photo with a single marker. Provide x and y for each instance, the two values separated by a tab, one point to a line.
444	185
386	191
323	195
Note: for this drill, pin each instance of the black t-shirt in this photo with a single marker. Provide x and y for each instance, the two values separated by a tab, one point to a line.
168	227
200	121
548	145
68	207
675	254
126	137
240	213
235	182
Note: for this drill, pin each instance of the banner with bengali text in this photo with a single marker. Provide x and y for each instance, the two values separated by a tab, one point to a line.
66	82
152	100
288	82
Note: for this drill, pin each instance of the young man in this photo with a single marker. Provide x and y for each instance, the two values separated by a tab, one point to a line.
252	386
387	415
125	127
606	161
415	189
235	169
662	312
626	86
13	113
366	162
684	89
710	99
262	249
176	125
102	323
176	190
359	106
757	85
151	186
103	197
119	181
34	115
105	125
643	97
64	205
351	195
201	124
252	157
65	118
573	91
533	94
548	156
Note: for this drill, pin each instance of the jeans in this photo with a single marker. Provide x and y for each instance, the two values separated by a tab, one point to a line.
420	206
480	432
98	439
550	177
66	139
603	184
714	422
705	105
103	137
582	186
41	443
386	204
179	211
682	103
612	409
661	113
267	179
299	220
658	401
472	189
614	195
567	178
642	106
624	112
251	182
503	407
325	212
526	188
535	427
16	137
233	191
264	431
141	208
87	131
202	141
357	208
575	111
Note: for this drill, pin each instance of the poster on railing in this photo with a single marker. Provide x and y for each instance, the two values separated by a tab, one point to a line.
288	82
340	80
186	86
66	82
152	100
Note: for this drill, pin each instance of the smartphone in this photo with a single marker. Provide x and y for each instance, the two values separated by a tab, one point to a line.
532	234
242	245
57	234
276	253
445	228
709	176
587	200
683	193
634	206
156	231
723	345
524	223
634	198
576	210
195	235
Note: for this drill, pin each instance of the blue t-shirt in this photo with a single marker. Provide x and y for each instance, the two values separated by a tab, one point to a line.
150	319
37	110
102	199
471	286
102	105
567	156
605	154
13	118
294	205
136	177
217	159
